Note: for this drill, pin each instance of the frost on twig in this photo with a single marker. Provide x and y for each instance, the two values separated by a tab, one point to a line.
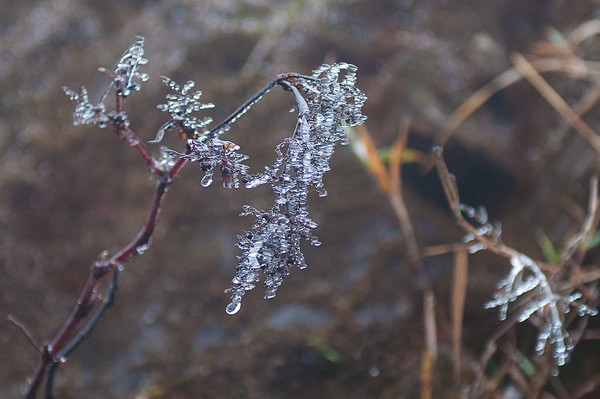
327	101
213	154
85	112
526	280
210	153
181	105
127	75
545	303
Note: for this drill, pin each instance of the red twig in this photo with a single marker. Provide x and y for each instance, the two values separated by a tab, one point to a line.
52	352
66	339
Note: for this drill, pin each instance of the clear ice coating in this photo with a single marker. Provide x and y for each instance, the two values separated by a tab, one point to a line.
181	105
325	103
233	307
527	280
126	79
127	74
85	112
216	155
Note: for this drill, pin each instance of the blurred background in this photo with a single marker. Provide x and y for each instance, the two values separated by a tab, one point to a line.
351	324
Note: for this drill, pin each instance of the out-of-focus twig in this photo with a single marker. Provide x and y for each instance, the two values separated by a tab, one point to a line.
577	245
459	290
525	277
396	197
554	99
574	68
389	181
429	354
373	160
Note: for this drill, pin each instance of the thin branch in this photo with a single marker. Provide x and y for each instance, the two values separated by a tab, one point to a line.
395	195
436	250
89	307
459	291
282	80
107	303
17	323
88	296
577	245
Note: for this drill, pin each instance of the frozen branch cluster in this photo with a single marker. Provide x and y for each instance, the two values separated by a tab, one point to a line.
85	112
127	75
327	101
272	247
547	304
526	277
485	228
181	105
126	78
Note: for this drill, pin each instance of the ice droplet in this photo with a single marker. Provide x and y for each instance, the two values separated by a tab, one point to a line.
233	307
142	248
206	180
62	360
374	371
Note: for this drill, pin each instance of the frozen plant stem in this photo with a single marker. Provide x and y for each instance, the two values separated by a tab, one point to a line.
325	105
525	276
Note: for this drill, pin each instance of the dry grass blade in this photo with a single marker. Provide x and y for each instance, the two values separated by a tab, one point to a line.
576	246
448	182
395	194
396	155
459	291
556	101
374	163
442	249
431	350
572	67
430	324
474	102
583	32
426	375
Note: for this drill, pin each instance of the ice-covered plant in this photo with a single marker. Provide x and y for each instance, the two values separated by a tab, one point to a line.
526	288
326	101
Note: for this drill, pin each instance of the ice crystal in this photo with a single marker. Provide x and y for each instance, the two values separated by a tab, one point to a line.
85	112
127	75
272	247
181	105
